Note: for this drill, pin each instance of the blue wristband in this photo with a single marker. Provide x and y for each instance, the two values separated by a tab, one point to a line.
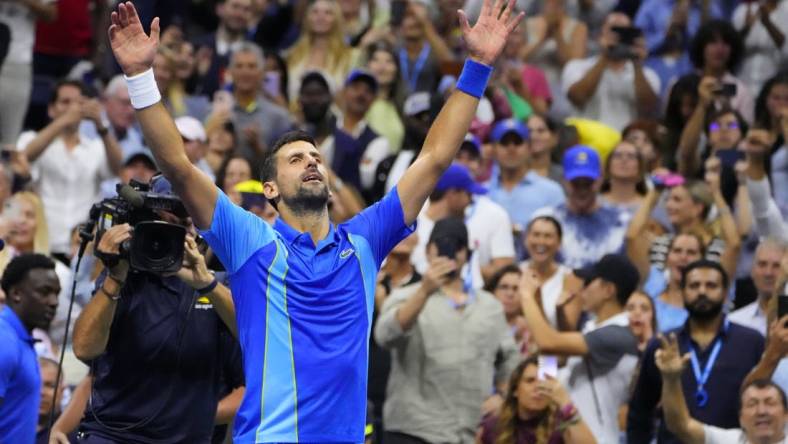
474	77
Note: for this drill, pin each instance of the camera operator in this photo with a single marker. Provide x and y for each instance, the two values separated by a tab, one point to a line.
159	352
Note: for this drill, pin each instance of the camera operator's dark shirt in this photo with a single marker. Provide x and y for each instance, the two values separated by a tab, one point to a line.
167	357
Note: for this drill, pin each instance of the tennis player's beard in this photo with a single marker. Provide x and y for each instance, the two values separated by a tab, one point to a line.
703	308
307	201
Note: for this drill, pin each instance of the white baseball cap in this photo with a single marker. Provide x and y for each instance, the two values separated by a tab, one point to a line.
191	129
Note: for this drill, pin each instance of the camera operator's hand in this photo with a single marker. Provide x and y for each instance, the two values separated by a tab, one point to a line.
110	244
194	271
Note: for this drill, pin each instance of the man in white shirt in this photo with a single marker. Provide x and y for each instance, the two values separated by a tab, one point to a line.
765	272
613	87
762	415
603	357
67	168
489	227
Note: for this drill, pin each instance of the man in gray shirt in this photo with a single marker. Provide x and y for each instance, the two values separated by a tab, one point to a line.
449	344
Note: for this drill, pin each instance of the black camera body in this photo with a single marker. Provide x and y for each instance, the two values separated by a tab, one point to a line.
155	246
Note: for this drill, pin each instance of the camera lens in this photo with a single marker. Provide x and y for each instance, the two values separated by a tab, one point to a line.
157	247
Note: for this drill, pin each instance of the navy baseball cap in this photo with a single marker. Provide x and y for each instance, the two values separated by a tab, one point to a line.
458	177
581	161
471	143
360	75
507	126
160	185
616	269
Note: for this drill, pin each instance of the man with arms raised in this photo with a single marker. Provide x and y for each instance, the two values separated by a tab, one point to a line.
303	290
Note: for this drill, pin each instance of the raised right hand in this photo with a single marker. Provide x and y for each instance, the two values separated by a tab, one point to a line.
133	50
706	88
438	273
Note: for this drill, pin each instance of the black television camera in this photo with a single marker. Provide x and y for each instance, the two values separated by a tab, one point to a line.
155	246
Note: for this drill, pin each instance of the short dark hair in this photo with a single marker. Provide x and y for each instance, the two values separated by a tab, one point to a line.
67	82
496	278
16	271
268	168
711	31
762	384
762	117
549	219
437	195
704	263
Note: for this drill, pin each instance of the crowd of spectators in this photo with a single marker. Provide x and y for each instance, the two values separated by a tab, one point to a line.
604	262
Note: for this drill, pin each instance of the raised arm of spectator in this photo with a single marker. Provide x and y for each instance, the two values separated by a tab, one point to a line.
744	216
548	339
134	52
91	110
580	92
774	31
638	241
92	327
438	45
730	233
43	10
768	219
644	399
484	41
645	95
43	139
69	420
690	136
776	350
677	417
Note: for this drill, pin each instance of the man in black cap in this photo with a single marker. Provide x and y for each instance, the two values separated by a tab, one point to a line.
604	355
445	338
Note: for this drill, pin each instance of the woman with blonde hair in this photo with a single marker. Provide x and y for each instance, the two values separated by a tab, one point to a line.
321	47
536	410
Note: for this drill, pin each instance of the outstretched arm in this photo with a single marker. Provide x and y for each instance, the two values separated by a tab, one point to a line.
677	418
134	52
485	41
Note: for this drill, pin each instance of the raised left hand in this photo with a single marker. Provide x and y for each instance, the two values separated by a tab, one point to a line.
194	271
486	39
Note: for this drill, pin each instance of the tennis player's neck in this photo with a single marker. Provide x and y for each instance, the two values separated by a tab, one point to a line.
317	225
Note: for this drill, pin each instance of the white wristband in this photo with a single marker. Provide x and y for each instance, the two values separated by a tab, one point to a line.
143	90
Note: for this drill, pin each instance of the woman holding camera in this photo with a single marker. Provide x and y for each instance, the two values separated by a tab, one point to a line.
535	410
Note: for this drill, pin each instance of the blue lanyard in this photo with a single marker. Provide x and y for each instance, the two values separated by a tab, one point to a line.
701	395
404	65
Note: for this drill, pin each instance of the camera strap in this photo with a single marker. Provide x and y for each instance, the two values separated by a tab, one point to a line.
108	259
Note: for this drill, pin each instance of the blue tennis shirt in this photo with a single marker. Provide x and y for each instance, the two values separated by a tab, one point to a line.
20	381
304	314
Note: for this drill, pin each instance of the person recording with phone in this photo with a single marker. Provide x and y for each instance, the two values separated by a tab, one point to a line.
157	343
613	87
537	408
449	343
603	356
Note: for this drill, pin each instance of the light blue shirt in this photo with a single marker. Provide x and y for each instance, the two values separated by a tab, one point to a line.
530	194
780	179
653	18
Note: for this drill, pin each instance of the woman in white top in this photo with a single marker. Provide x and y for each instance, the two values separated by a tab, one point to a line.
762	27
558	284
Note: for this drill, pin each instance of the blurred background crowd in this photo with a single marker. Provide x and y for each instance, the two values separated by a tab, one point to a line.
621	146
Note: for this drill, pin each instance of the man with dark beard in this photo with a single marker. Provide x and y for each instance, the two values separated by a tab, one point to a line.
721	354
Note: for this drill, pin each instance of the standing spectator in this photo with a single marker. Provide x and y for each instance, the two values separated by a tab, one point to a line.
314	100
449	343
321	46
489	228
765	272
536	409
604	355
384	115
137	165
771	113
516	188
611	87
118	117
357	149
504	285
764	42
644	134
763	408
234	17
19	19
67	168
194	142
31	287
544	144
221	141
624	185
591	229
173	90
668	23
257	120
422	50
723	355
642	318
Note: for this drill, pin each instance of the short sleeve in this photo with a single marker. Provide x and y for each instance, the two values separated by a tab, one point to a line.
716	435
653	79
382	225
502	241
8	360
235	234
572	73
608	344
21	144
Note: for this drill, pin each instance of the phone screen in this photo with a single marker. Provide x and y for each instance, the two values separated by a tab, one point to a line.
548	367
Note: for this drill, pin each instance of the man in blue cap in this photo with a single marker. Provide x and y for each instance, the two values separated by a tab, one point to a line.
489	228
591	229
515	186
